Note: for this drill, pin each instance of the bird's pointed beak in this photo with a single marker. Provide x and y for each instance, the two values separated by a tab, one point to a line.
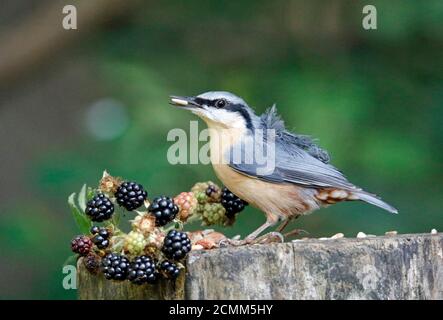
184	102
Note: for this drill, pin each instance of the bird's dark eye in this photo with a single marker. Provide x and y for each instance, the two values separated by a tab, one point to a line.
220	103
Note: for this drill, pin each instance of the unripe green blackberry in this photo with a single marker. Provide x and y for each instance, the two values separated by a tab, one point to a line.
81	244
135	243
201	186
130	195
115	266
206	192
212	213
99	208
201	197
142	270
176	245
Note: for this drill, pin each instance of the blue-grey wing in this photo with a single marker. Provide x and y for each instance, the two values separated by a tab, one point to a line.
294	165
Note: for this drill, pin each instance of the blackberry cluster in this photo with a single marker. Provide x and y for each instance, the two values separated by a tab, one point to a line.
164	209
81	245
232	203
115	266
142	270
100	236
170	269
130	195
99	208
176	245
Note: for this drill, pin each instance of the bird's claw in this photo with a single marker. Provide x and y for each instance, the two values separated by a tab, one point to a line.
295	232
271	237
233	242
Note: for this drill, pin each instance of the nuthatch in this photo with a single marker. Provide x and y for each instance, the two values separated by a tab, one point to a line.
302	180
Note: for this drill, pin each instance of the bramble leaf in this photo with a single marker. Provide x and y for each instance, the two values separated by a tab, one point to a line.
82	221
82	198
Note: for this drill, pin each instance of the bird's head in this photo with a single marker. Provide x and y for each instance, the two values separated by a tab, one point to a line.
218	109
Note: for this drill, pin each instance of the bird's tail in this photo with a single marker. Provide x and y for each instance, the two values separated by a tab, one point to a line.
376	201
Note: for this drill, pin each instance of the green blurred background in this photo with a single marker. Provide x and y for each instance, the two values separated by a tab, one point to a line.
73	103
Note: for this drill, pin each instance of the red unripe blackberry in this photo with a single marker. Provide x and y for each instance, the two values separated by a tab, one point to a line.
142	270
130	195
99	208
164	210
170	269
115	266
176	245
231	203
81	245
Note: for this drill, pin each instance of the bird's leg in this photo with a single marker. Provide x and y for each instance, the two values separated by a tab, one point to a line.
262	228
270	238
252	237
283	225
293	232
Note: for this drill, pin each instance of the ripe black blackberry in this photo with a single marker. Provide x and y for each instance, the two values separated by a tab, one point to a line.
142	270
164	210
81	244
231	203
115	266
99	208
130	195
169	269
100	236
176	245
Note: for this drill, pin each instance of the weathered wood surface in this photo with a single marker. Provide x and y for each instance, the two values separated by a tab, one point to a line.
398	267
96	287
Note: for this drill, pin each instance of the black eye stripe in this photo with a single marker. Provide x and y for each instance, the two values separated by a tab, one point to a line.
210	103
241	110
202	101
229	107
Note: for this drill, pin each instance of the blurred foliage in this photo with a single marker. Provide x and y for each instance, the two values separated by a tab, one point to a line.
373	98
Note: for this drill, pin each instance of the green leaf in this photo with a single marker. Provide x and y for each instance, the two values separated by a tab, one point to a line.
83	223
90	193
71	200
71	260
116	218
82	198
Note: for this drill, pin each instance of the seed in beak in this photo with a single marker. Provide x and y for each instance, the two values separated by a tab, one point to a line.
179	102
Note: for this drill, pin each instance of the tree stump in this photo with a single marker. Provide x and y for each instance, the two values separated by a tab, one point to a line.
388	267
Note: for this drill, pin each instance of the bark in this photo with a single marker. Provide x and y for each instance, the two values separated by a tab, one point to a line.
396	267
